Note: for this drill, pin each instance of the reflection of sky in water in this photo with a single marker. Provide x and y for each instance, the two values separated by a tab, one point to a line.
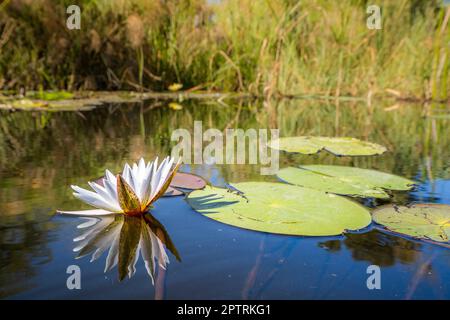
436	191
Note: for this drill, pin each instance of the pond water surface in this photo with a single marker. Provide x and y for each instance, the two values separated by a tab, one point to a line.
42	154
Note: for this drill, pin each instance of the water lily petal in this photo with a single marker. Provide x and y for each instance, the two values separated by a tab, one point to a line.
126	174
165	172
94	199
110	184
147	184
157	176
106	195
166	185
94	212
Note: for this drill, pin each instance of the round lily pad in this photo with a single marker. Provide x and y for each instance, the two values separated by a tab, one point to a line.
343	180
370	177
187	181
339	146
280	208
422	221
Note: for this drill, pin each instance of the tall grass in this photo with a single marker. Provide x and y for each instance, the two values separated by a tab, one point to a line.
263	47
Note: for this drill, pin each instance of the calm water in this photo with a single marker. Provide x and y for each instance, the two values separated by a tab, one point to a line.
41	154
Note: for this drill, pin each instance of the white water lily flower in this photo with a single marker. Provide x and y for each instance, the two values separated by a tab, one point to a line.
132	192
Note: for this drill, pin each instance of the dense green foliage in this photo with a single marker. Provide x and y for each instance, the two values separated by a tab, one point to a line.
264	47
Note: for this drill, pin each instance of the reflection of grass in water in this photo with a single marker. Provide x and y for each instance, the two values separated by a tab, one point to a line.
68	145
259	46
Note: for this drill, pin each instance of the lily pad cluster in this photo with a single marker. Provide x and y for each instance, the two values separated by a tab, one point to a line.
314	199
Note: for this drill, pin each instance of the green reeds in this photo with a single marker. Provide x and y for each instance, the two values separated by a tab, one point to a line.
267	48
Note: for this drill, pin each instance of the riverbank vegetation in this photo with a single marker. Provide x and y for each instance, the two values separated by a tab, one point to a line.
266	48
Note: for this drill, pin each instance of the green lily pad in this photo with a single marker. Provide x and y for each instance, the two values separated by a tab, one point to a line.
339	146
370	177
343	180
423	221
280	208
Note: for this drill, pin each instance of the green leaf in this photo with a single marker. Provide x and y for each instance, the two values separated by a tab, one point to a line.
343	180
309	179
366	176
280	208
423	221
339	146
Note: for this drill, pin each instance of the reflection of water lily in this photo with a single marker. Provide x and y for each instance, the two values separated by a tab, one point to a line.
126	238
132	192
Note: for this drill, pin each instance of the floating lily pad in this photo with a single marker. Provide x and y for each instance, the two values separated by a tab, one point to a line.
343	180
309	179
187	181
339	146
370	177
423	221
280	208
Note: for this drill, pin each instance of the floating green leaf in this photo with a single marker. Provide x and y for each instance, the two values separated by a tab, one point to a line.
280	208
330	184
423	221
369	177
345	180
340	146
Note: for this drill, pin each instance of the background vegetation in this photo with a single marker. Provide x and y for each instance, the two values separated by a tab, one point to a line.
263	47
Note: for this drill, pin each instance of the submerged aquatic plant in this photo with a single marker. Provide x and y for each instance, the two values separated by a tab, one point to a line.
131	193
